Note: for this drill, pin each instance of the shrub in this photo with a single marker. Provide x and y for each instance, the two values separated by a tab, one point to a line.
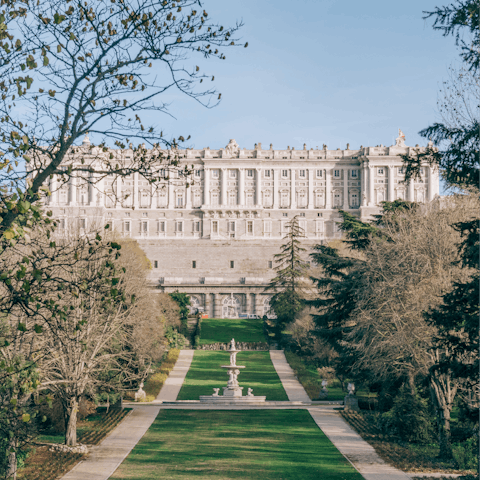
409	418
155	382
465	454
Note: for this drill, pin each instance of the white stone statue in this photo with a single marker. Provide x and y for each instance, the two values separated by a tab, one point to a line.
351	388
324	384
400	140
232	380
250	392
215	392
140	395
232	148
232	345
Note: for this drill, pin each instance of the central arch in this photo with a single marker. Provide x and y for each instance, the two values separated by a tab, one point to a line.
230	307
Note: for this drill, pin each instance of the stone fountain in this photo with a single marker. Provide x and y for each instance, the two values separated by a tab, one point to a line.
232	393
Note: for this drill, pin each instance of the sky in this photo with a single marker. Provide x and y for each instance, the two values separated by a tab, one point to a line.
320	72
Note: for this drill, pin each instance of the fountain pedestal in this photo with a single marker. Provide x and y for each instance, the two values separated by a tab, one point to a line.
232	393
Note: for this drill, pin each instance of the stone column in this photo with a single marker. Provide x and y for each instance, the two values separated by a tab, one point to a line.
293	199
258	304
411	191
217	311
188	197
328	188
346	203
223	188
171	196
55	195
206	186
208	305
91	190
249	303
432	182
371	191
99	193
72	191
118	187
135	199
213	302
258	186
241	187
391	174
276	176
363	185
311	173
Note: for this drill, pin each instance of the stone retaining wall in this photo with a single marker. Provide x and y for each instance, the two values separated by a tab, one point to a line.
255	346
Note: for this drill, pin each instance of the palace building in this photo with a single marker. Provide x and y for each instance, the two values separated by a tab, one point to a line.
215	238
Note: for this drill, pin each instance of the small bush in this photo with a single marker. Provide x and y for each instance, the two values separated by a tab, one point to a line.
465	454
409	418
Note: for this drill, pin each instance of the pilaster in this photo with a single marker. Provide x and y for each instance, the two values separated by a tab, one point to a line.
224	200
258	186
241	187
206	186
293	180
328	188
311	173
371	192
135	199
390	175
345	189
276	176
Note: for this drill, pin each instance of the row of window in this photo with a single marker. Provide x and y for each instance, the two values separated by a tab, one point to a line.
231	262
302	173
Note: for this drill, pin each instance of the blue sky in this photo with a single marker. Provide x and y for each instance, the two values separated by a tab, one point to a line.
320	71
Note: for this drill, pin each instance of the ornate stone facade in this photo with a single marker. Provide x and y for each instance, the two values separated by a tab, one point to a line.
216	238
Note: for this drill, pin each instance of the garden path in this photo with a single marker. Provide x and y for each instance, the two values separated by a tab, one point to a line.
350	444
174	382
105	458
293	388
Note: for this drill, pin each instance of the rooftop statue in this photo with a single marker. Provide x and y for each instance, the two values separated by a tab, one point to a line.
232	148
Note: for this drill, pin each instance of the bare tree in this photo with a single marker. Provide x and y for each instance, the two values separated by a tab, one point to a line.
96	345
399	281
68	68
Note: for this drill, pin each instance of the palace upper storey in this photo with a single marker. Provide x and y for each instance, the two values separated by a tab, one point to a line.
237	193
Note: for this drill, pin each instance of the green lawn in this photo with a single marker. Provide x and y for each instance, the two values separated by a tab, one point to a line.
224	329
235	444
205	374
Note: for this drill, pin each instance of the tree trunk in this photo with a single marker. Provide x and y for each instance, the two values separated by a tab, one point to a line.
12	460
478	442
444	389
71	422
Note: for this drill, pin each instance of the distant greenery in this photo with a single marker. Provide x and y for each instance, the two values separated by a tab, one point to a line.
183	301
311	380
205	374
253	444
222	330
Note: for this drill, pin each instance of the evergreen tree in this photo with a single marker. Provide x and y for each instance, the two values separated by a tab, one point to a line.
289	284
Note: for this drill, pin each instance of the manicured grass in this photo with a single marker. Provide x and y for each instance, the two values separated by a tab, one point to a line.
235	444
222	330
205	374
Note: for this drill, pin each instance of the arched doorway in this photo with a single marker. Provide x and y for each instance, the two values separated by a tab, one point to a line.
266	308
194	304
231	307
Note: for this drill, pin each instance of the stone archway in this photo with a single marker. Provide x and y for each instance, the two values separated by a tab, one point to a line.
231	307
194	304
266	306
